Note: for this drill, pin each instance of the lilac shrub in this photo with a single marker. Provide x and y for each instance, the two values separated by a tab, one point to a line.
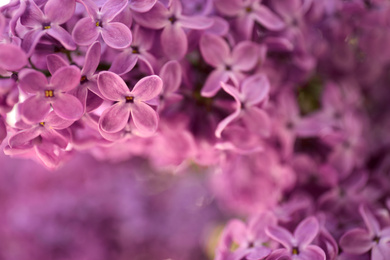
279	106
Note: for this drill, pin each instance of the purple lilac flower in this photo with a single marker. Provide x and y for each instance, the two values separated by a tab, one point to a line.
174	41
297	245
12	57
47	22
53	94
129	103
374	238
228	64
114	34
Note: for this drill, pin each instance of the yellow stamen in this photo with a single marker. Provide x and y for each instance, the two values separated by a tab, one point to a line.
130	99
46	27
97	24
295	251
42	123
49	93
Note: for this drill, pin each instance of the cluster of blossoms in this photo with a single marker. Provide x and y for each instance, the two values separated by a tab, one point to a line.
283	101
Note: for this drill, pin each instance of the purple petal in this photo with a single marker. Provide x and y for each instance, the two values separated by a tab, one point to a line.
112	8
62	35
111	136
312	252
53	137
60	11
156	18
381	251
214	50
255	89
245	56
280	235
124	62
174	41
68	107
287	9
55	62
306	231
66	78
213	82
12	57
93	101
279	254
32	16
195	22
370	221
142	6
31	39
112	86
114	118
85	31
257	121
268	19
171	76
92	59
356	241
116	35
24	136
32	81
35	109
229	7
45	152
235	231
145	118
258	253
219	27
56	122
147	88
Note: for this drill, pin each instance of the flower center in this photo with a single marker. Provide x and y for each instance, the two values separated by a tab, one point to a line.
49	93
135	49
46	26
83	79
42	123
295	251
376	239
129	99
248	9
172	19
99	23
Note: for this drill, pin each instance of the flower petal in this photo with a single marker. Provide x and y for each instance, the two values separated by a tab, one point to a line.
112	8
55	62
68	107
213	82
229	8
245	56
12	57
45	152
22	137
268	19
85	32
35	109
306	231
3	130
215	51
32	16
60	11
116	35
62	35
112	86
32	81
142	6
369	219
124	62
56	122
92	59
356	241
174	41
255	89
155	18
281	235
114	118
31	39
312	252
257	121
195	22
171	76
145	118
66	78
147	88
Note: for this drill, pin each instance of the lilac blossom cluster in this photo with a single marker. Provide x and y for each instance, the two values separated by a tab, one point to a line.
284	102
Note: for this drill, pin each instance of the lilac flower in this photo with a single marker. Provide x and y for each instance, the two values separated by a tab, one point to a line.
129	102
250	239
297	245
228	64
53	94
171	75
114	34
253	90
248	12
12	57
139	50
141	6
47	22
45	138
173	37
374	238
